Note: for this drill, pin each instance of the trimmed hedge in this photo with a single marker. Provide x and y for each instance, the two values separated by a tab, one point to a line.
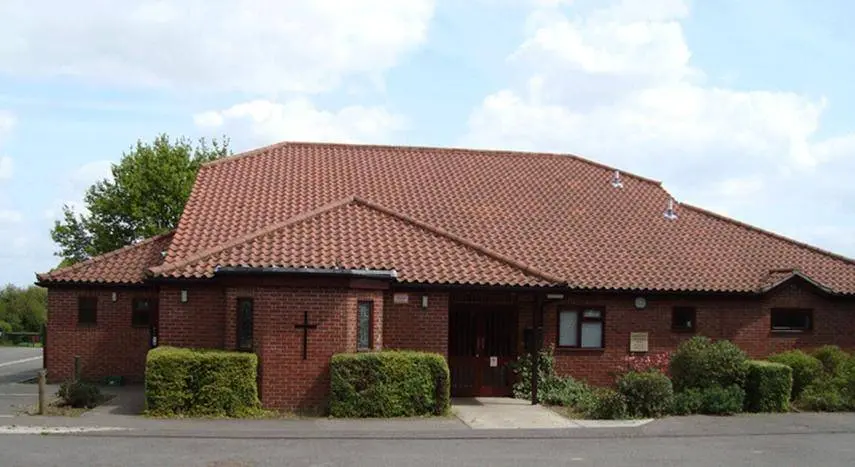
701	363
716	400
201	383
647	394
768	386
389	384
806	369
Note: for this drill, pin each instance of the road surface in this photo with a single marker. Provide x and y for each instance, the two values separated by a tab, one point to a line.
18	364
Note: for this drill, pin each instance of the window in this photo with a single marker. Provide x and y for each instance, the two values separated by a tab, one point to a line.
582	328
244	324
141	312
683	318
791	320
363	326
87	310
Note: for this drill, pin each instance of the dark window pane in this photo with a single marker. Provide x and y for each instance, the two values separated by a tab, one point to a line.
244	324
141	313
363	327
87	310
683	319
791	320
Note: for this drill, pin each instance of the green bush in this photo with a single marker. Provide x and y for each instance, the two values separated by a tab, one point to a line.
389	384
566	392
823	395
606	404
552	389
832	359
688	402
78	394
717	400
207	383
701	363
806	369
768	387
647	394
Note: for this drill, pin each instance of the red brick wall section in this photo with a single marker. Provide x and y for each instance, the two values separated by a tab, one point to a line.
200	322
111	347
409	326
745	321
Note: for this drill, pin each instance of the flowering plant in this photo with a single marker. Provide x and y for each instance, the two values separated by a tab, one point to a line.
648	362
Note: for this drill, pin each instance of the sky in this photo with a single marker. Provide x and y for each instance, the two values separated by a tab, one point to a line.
740	107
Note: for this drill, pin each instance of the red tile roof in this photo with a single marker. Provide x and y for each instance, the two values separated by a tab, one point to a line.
128	265
468	216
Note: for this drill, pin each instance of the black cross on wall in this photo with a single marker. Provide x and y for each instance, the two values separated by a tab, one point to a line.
305	326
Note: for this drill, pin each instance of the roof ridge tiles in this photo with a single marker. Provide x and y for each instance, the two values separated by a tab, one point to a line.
768	233
164	268
458	239
480	152
101	257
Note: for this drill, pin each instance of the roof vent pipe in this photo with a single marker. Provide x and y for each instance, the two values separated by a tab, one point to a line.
670	213
616	181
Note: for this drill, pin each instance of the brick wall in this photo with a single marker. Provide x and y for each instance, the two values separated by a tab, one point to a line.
200	322
409	326
111	347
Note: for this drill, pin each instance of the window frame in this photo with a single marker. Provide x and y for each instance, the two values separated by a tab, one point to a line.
94	310
370	346
806	311
580	310
134	303
694	319
239	321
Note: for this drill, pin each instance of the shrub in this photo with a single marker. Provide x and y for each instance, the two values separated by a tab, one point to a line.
566	392
832	359
823	395
768	386
186	382
701	363
806	369
717	400
647	394
79	395
688	402
522	368
606	404
389	384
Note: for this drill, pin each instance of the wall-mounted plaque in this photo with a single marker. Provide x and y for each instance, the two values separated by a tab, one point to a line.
638	342
399	298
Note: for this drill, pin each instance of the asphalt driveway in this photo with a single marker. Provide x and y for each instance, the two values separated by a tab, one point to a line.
17	365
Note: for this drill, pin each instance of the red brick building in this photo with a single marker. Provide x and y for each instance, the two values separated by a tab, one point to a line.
298	251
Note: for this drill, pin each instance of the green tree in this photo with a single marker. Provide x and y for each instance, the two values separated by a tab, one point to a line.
144	197
22	310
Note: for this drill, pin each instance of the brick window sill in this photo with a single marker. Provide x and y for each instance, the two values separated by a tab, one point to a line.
789	332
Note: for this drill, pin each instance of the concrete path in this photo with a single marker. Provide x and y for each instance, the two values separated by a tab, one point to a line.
18	364
498	413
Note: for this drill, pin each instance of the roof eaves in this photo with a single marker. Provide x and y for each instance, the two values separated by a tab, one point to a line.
792	275
47	276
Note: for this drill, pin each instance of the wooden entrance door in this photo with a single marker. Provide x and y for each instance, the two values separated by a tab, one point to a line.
482	344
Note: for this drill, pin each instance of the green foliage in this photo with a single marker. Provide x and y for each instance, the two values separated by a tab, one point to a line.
832	359
806	369
606	404
552	389
768	386
688	402
701	363
717	400
22	309
79	395
566	392
647	394
206	383
144	196
823	395
389	384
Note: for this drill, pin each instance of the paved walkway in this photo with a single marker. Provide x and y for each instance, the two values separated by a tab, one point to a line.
499	413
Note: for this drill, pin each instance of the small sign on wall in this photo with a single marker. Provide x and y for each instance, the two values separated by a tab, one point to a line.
400	298
494	362
638	342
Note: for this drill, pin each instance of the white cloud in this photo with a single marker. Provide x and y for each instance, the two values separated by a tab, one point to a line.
300	120
260	46
617	84
8	216
6	167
